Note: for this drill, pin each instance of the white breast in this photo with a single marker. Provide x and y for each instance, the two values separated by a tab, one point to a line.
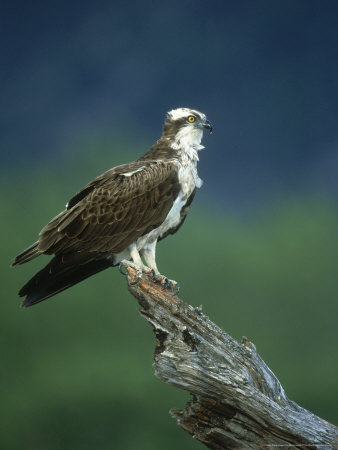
186	144
189	180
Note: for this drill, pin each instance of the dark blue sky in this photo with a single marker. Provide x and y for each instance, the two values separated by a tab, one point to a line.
265	73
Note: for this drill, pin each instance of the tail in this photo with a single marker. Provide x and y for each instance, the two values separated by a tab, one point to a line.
61	273
28	254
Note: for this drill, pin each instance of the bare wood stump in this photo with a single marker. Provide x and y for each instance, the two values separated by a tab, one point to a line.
237	401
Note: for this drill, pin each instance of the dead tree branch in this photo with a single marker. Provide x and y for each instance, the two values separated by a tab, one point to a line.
237	401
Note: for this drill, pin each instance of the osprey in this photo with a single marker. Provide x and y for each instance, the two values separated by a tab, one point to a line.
123	213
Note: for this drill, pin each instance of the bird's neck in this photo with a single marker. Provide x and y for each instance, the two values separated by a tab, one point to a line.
182	145
187	142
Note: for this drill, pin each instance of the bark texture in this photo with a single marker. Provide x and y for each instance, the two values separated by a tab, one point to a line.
237	402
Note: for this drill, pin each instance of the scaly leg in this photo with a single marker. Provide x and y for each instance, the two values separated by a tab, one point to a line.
149	257
139	266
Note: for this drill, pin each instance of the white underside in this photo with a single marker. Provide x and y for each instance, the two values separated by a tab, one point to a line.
187	144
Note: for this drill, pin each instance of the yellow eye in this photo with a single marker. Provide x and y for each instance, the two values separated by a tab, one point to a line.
191	119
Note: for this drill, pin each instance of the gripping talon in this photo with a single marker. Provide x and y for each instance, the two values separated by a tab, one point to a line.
166	283
136	281
151	274
121	267
138	275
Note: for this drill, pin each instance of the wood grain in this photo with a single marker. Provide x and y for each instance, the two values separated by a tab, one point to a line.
237	401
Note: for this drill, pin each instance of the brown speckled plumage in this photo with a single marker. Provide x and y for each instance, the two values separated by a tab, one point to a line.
114	210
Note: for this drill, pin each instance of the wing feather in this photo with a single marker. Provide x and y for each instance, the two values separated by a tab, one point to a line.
114	210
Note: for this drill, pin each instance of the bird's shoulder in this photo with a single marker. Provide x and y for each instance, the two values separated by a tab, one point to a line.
121	180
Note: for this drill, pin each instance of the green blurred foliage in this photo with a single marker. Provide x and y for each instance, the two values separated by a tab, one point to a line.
76	370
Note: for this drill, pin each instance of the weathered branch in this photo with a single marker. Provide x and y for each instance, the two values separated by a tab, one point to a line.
237	401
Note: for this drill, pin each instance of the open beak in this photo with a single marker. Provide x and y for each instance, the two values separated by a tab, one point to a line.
208	126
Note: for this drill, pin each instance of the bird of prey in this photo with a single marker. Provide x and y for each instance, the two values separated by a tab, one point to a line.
123	213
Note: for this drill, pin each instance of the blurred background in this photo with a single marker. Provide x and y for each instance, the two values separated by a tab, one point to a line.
85	86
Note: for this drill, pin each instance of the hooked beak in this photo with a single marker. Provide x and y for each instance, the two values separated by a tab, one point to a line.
208	126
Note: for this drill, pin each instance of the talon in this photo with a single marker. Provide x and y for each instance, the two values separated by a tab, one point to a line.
138	277
136	281
166	283
151	274
121	267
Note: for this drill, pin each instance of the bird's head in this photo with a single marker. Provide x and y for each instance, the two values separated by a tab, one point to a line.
187	123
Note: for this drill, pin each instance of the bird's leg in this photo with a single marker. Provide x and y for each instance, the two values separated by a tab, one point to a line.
149	257
138	264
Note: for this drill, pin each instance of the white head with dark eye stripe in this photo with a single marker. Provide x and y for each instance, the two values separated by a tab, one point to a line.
185	126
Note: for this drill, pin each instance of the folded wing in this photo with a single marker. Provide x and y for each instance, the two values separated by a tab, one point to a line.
111	212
